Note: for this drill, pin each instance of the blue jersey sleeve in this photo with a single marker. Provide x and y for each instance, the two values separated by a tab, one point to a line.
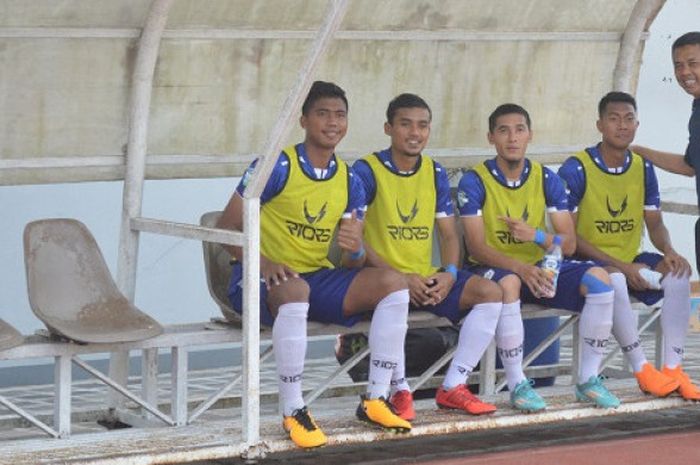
443	203
365	174
652	198
274	185
571	172
470	194
554	191
356	196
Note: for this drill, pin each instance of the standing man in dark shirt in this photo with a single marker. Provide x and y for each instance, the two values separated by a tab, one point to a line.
686	65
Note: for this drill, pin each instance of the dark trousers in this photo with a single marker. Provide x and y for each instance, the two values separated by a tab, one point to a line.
697	245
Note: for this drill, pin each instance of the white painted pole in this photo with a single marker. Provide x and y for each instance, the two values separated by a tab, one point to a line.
139	107
251	222
631	44
297	95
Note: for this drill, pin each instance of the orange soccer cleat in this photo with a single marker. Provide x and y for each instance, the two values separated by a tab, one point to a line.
653	382
460	398
686	389
402	401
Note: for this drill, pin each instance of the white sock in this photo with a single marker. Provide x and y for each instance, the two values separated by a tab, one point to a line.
387	333
289	342
594	328
477	332
675	314
625	323
398	377
510	335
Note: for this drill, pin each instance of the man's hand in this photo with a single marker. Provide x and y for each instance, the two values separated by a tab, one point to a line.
634	279
442	284
519	229
275	273
419	290
350	234
677	265
538	280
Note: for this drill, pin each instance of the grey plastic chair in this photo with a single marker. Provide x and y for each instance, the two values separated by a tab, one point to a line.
9	336
71	289
217	265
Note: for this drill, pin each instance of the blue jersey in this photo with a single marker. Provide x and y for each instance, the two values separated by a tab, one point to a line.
280	173
443	200
575	177
692	152
471	192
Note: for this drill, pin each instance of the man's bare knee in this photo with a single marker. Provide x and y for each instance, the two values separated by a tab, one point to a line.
292	290
391	281
481	290
599	273
510	285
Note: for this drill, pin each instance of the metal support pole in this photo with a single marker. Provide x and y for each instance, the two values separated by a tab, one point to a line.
139	108
251	221
178	374
487	370
149	378
631	43
63	380
251	323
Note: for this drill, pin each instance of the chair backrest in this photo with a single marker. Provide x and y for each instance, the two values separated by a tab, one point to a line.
217	266
71	289
9	336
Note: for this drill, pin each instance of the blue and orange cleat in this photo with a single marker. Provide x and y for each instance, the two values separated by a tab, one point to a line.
594	391
525	398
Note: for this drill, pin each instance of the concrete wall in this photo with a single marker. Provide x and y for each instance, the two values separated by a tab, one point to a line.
64	91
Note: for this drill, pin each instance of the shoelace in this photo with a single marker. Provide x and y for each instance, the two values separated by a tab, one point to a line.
302	416
527	389
465	395
388	405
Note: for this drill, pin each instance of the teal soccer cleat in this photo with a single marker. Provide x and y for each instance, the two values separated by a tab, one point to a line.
594	391
525	398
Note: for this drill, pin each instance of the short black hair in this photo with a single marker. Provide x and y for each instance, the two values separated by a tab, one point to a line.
405	101
507	109
610	97
322	89
689	38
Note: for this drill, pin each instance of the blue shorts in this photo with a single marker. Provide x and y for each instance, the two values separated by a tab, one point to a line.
449	306
328	288
567	297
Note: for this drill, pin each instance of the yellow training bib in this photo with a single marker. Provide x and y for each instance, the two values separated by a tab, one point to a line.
526	201
611	212
400	219
297	225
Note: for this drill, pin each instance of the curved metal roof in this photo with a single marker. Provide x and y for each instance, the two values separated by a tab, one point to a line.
224	69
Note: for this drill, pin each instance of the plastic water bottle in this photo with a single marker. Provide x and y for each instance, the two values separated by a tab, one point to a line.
551	263
653	278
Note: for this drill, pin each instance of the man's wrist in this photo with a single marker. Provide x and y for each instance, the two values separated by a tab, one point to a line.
359	254
450	268
540	237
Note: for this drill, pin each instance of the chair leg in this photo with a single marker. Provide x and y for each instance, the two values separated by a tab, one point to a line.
63	379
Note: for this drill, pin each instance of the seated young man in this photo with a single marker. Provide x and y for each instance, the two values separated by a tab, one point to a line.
408	193
613	194
308	194
503	203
